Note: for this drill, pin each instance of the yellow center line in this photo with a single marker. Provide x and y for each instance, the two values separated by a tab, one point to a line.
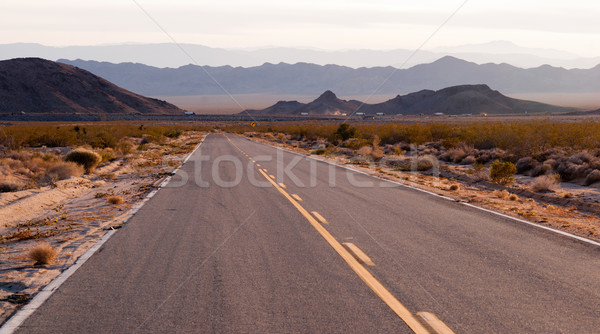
296	197
319	217
359	254
361	271
282	185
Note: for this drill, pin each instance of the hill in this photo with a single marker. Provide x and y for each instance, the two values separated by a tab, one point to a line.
464	99
35	85
311	79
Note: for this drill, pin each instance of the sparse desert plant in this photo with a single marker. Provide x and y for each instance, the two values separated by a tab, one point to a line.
460	152
592	177
107	154
42	254
365	150
114	199
502	172
513	197
544	183
8	186
503	194
64	170
541	169
525	164
86	158
454	187
173	133
469	160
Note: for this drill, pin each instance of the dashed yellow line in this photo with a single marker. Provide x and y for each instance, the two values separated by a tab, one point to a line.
258	165
296	197
319	217
282	185
271	175
359	254
361	271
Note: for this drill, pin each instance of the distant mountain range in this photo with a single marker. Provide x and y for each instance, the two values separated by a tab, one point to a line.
311	79
169	55
465	99
34	85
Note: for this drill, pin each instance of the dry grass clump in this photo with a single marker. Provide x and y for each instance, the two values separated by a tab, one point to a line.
115	199
454	187
502	194
365	150
86	158
64	170
42	254
592	177
513	197
544	183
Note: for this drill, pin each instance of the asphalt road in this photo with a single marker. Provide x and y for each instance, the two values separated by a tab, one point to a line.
222	249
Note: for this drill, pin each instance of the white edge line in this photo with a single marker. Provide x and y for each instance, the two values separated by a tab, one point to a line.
18	318
566	234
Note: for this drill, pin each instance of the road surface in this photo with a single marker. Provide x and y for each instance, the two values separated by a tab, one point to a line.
247	238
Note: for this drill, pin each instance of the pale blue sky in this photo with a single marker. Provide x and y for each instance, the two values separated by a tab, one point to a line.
327	24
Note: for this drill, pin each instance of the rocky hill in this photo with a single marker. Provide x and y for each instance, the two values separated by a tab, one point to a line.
464	99
34	85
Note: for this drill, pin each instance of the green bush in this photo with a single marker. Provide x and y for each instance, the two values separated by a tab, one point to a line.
502	172
88	159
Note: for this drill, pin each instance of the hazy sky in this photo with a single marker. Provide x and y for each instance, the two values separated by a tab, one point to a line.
327	24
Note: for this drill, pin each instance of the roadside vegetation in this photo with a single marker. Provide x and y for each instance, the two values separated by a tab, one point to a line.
569	150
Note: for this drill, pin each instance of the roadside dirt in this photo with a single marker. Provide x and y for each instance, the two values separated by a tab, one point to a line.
73	214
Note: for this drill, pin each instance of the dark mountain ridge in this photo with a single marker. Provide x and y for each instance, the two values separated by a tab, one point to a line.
464	99
34	85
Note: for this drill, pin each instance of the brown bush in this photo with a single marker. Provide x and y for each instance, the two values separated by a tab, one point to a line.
592	177
365	150
541	169
525	164
88	159
454	187
470	160
544	183
115	199
42	254
64	170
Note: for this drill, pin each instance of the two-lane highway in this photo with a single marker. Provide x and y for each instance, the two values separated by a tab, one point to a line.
246	239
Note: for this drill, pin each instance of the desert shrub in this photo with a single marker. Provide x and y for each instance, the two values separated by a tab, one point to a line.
9	186
344	132
541	169
107	154
355	143
502	172
377	153
525	164
513	197
319	151
103	140
115	199
173	133
468	160
86	158
125	147
365	150
569	171
457	154
592	177
42	254
503	194
581	158
64	170
454	187
544	183
424	163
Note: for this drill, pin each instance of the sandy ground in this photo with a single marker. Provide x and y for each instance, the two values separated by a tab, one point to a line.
568	207
73	215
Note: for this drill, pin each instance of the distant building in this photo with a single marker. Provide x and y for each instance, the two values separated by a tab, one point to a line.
303	114
380	114
360	114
